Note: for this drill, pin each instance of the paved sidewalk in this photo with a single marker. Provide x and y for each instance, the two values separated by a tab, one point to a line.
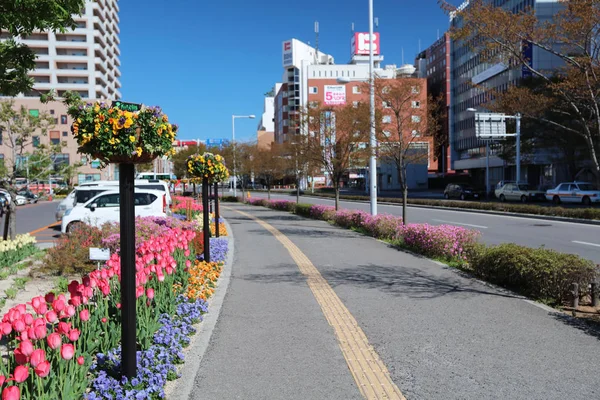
440	335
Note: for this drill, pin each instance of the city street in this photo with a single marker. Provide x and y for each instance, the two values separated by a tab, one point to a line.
38	219
307	300
576	238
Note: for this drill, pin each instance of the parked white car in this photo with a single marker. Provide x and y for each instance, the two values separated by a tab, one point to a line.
104	207
65	204
574	192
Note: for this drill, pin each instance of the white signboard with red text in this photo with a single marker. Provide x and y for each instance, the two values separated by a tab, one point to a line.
361	43
335	95
288	53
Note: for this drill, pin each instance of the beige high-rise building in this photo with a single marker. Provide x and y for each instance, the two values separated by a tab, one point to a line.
84	60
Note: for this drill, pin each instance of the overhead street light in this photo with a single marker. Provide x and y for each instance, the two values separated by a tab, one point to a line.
233	117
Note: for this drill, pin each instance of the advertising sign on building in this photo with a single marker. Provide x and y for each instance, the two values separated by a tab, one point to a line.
361	43
288	53
335	95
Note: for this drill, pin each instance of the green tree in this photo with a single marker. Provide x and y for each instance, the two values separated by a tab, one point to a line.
19	129
68	172
21	18
180	159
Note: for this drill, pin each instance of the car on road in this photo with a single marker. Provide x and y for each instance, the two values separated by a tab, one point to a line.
29	195
574	192
519	192
104	208
463	192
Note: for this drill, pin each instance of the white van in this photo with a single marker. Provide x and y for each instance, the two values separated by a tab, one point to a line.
150	184
104	207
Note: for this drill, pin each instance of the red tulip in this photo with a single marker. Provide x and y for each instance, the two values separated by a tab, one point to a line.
75	301
80	360
11	393
49	297
2	380
64	328
51	316
38	356
84	314
28	319
19	325
54	340
67	351
188	263
21	374
20	358
119	306
150	293
104	320
74	335
43	369
26	347
73	287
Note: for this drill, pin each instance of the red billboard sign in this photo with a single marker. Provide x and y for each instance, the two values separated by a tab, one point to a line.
361	43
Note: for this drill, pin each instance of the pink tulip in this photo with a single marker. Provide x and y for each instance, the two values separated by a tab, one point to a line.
80	360
74	335
6	328
2	380
26	347
19	325
188	263
58	305
70	311
84	314
54	340
67	351
150	293
51	317
43	369
38	356
21	374
28	319
64	328
20	358
104	320
11	393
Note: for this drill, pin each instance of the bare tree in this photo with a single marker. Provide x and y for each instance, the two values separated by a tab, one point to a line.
269	164
336	139
567	97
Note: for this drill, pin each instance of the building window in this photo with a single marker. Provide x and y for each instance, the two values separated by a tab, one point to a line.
35	141
386	104
34	113
416	104
313	104
55	121
355	104
60	160
55	137
415	89
51	112
416	133
356	89
416	119
385	90
313	90
387	119
65	133
387	134
63	119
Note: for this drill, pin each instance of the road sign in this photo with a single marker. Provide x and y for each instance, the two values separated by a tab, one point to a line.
490	126
133	107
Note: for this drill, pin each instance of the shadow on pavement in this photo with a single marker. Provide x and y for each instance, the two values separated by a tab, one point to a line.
590	328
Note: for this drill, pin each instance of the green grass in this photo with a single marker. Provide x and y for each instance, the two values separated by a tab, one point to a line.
11	293
62	284
19	283
4	274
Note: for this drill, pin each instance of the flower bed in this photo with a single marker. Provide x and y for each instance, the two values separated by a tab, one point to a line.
55	339
539	273
13	251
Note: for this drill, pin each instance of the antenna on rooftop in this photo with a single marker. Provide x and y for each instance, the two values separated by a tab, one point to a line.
403	56
317	42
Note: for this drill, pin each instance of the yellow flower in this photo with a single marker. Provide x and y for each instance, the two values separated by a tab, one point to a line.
139	151
132	138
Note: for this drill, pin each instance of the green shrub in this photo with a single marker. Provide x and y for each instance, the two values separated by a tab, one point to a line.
229	199
303	209
541	274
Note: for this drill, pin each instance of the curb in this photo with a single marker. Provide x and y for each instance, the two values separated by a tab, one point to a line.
184	385
469	210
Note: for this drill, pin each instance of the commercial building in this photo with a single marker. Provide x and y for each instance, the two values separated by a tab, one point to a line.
471	77
310	75
433	64
265	133
84	60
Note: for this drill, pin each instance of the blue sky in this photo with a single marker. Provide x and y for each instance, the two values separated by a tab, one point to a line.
203	61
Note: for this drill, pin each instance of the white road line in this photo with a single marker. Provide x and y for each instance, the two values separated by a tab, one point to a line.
460	223
586	243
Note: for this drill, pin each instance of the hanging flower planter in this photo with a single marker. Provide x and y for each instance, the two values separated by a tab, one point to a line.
208	165
113	135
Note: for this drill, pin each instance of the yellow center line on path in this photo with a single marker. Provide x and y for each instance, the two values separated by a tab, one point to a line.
43	228
370	373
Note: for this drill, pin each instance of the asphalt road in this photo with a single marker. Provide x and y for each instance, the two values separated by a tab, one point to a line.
34	217
567	237
440	335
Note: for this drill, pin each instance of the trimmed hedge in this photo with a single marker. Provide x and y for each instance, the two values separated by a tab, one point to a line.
229	199
591	213
542	274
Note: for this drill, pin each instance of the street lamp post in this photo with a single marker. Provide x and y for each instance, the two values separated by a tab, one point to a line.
233	117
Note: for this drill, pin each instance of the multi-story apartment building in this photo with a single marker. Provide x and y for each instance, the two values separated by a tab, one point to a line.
311	76
265	133
470	78
84	60
433	64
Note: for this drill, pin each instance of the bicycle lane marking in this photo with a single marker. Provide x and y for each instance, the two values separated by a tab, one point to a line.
368	370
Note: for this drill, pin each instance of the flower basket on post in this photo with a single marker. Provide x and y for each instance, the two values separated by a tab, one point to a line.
126	134
210	168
